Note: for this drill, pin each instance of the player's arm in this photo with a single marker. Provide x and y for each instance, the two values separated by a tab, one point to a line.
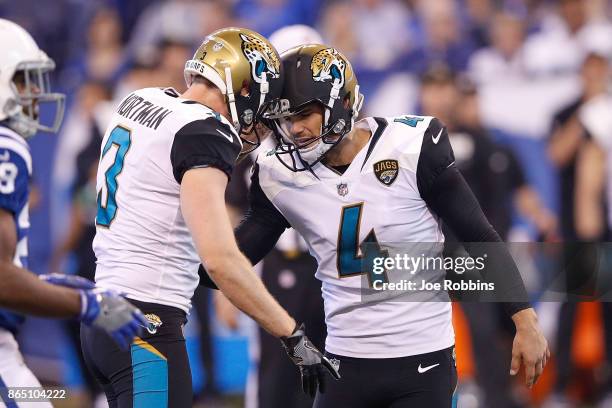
259	230
590	180
21	290
447	193
202	162
262	225
203	155
203	206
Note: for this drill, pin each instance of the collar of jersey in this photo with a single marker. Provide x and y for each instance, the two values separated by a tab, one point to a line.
357	164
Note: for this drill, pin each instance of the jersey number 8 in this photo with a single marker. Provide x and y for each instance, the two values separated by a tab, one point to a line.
8	174
107	201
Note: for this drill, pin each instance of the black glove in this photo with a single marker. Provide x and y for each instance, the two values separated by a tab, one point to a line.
311	362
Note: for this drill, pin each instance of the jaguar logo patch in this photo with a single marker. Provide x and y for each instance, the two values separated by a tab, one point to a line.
328	65
386	171
261	57
154	323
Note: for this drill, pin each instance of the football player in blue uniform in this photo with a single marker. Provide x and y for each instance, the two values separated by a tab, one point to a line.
24	85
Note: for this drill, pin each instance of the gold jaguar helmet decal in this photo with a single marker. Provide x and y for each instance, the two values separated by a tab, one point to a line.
328	65
245	67
261	56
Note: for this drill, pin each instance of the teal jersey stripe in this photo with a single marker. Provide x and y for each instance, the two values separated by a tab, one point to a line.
150	379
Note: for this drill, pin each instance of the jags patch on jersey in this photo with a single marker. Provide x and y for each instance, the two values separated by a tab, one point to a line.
386	171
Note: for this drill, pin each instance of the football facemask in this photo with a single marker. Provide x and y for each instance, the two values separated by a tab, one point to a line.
303	153
314	74
31	89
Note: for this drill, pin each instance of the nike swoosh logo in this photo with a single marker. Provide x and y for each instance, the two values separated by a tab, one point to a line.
225	135
6	156
424	369
437	138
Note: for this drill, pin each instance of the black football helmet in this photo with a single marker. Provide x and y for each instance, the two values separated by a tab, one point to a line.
319	74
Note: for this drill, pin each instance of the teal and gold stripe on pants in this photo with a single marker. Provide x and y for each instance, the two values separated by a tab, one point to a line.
150	376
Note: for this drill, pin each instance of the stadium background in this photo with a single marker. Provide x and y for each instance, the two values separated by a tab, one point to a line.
523	57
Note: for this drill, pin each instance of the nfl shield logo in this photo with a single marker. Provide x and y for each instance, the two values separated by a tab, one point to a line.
342	189
386	171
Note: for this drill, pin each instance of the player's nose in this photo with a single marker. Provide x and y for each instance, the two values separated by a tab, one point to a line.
297	128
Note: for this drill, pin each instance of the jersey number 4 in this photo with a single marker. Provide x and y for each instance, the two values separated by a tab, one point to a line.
121	138
354	258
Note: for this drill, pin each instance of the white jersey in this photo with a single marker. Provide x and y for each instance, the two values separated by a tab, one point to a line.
377	199
142	244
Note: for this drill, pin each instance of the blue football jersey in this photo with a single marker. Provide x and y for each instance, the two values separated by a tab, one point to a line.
15	173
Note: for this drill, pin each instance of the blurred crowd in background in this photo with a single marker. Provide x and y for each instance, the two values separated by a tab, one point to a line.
513	81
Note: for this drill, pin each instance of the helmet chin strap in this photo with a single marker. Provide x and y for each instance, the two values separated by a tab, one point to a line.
333	95
21	125
264	88
356	105
231	99
317	152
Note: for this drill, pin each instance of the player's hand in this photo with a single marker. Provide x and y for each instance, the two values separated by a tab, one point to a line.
110	312
530	347
104	309
69	281
311	362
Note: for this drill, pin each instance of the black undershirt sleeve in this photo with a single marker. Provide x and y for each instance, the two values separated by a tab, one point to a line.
447	193
204	143
262	224
258	231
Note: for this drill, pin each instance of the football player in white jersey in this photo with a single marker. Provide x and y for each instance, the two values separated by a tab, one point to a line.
348	188
165	163
24	85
